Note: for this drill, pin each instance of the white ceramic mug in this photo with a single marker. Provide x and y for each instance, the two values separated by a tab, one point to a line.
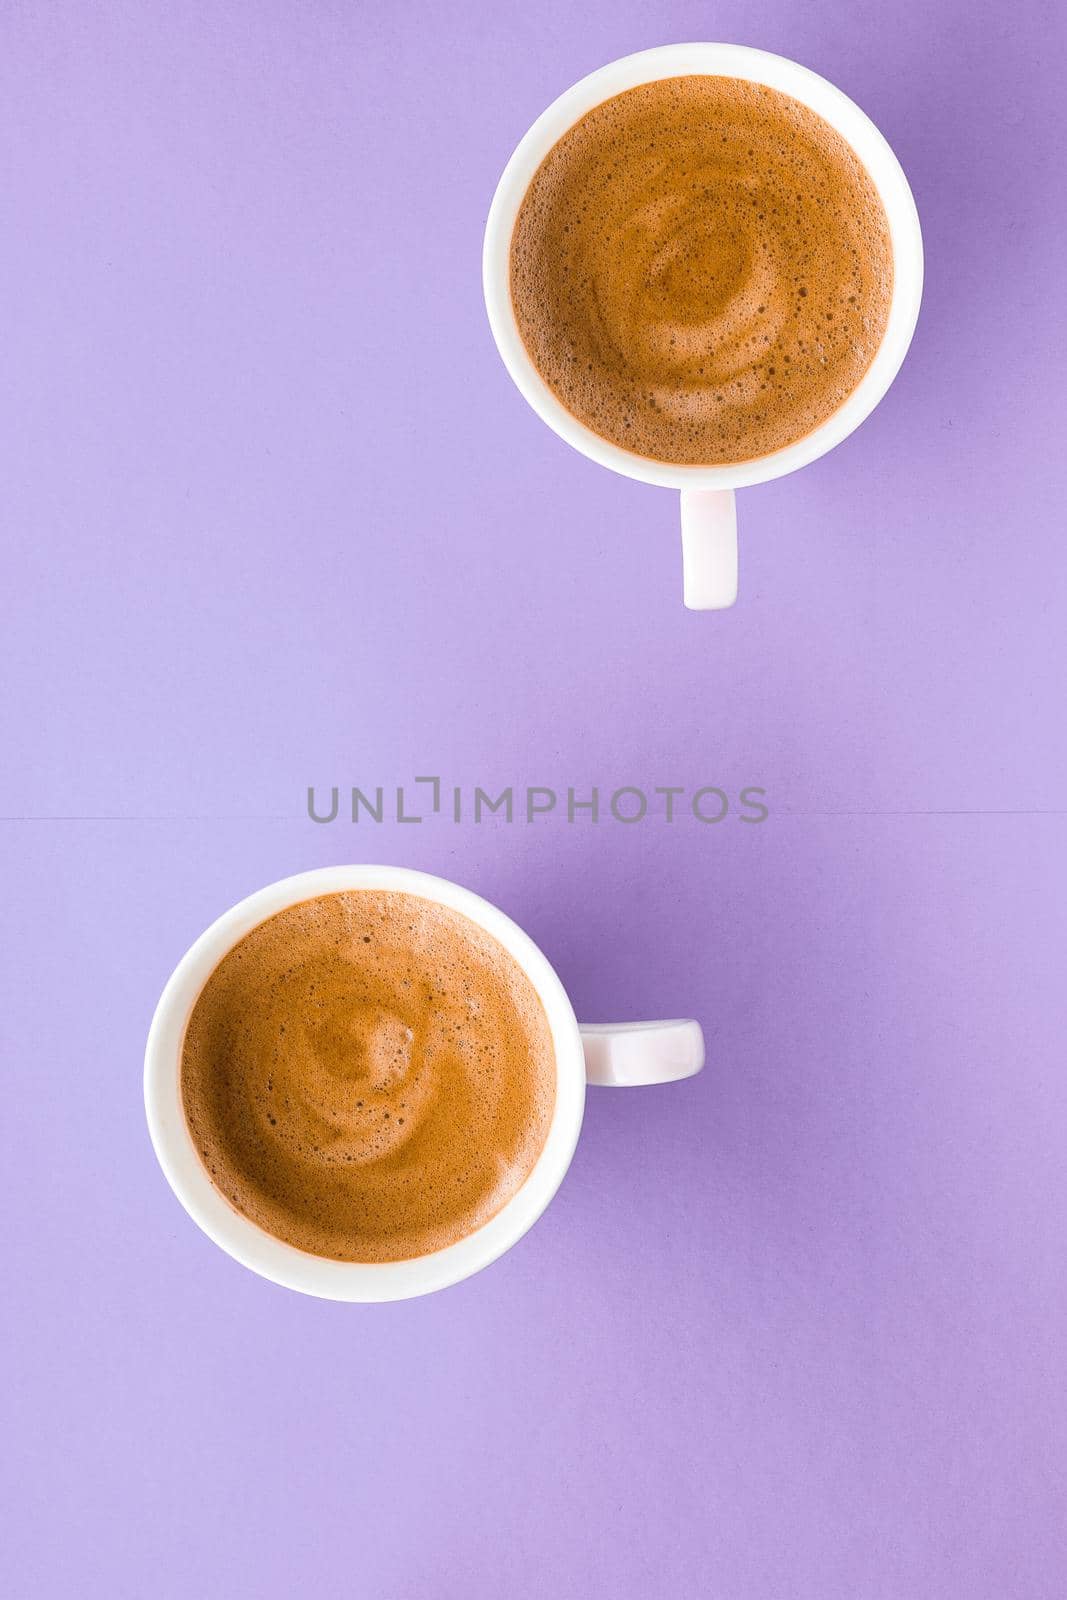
709	515
620	1054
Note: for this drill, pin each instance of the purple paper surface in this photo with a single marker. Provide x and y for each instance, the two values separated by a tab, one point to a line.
274	516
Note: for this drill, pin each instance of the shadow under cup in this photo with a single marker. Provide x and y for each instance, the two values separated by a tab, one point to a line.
708	511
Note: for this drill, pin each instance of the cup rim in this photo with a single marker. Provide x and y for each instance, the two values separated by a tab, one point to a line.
259	1250
715	60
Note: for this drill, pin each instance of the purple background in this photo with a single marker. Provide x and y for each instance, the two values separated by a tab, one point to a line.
275	516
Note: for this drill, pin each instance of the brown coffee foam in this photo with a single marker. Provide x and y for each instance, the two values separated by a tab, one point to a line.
369	1076
701	270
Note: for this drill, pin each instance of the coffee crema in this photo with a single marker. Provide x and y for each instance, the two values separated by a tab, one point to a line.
369	1076
701	270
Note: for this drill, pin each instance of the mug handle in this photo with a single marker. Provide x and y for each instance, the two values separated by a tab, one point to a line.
709	548
624	1054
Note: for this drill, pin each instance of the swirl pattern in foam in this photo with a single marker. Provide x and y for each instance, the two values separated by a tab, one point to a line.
368	1076
701	270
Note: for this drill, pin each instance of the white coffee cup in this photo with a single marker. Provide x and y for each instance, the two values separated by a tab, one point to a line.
709	515
619	1054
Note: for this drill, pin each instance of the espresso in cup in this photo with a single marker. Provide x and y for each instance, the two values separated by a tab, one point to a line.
368	1076
701	270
